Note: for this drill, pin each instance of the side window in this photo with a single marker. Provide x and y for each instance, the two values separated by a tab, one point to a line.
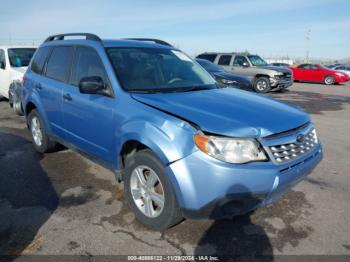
304	66
2	60
225	60
340	68
39	59
209	57
312	67
240	60
86	63
58	64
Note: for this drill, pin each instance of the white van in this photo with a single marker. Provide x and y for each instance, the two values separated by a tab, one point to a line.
13	64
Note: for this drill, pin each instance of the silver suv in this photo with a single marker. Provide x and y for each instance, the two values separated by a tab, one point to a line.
263	76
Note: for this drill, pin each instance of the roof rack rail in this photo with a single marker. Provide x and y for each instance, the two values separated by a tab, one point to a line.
157	41
62	36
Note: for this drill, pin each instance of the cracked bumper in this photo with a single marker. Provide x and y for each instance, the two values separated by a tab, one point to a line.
209	188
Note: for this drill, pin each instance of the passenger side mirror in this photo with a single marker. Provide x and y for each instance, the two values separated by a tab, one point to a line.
92	85
2	65
245	64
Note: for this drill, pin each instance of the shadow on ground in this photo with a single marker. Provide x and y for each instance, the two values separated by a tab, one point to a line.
312	102
27	197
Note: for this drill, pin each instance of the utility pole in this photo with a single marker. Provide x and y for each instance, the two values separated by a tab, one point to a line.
308	32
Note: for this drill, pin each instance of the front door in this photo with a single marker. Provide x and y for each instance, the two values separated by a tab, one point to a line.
88	118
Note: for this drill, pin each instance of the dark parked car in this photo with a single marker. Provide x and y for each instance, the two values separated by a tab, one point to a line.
280	64
224	77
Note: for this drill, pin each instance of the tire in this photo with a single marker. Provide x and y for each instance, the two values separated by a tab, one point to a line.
262	85
40	134
159	218
17	108
329	80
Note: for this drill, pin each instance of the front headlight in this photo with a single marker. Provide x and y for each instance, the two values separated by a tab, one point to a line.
231	150
339	74
229	82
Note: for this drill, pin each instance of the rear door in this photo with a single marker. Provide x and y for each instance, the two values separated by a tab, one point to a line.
88	118
225	62
50	87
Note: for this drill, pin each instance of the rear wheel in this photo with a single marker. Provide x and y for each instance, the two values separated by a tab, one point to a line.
42	142
262	85
329	80
149	191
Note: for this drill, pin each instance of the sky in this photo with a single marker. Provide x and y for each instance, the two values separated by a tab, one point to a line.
271	28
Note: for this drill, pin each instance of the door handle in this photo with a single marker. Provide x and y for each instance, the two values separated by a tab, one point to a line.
67	97
38	86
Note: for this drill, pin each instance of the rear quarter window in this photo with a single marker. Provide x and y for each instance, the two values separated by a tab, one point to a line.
59	62
209	57
39	59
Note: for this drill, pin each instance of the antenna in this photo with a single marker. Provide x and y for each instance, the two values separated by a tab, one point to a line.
308	33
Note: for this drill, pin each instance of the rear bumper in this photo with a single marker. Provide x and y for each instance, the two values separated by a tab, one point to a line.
208	188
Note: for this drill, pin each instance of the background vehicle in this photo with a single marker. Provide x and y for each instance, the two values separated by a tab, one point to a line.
343	68
280	64
13	63
263	77
158	120
224	77
319	74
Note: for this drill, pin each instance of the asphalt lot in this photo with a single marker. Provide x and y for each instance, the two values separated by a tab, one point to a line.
61	203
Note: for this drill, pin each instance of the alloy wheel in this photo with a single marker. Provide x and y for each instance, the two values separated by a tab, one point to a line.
36	131
147	191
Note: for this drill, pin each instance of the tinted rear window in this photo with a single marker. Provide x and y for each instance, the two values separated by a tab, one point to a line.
209	57
59	62
20	57
39	59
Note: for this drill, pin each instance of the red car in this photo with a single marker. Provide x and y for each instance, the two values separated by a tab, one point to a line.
318	73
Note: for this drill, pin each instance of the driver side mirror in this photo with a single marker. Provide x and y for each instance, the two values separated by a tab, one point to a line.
93	85
245	64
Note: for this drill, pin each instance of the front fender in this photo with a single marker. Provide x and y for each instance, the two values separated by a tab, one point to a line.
170	141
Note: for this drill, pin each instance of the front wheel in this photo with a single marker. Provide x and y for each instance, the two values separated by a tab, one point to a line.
149	192
329	80
262	85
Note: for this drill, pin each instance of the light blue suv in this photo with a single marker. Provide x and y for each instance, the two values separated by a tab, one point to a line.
184	147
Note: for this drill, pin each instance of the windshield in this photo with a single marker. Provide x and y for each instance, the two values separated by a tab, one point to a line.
209	66
20	57
158	70
257	60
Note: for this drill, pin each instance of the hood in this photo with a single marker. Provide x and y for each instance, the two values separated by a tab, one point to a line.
230	76
228	111
276	68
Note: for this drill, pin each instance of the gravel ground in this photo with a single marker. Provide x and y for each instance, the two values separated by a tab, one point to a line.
61	203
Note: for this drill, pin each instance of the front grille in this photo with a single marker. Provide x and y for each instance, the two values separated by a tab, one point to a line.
286	76
302	145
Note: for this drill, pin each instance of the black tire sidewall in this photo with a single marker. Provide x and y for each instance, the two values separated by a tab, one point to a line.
45	141
171	213
267	83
